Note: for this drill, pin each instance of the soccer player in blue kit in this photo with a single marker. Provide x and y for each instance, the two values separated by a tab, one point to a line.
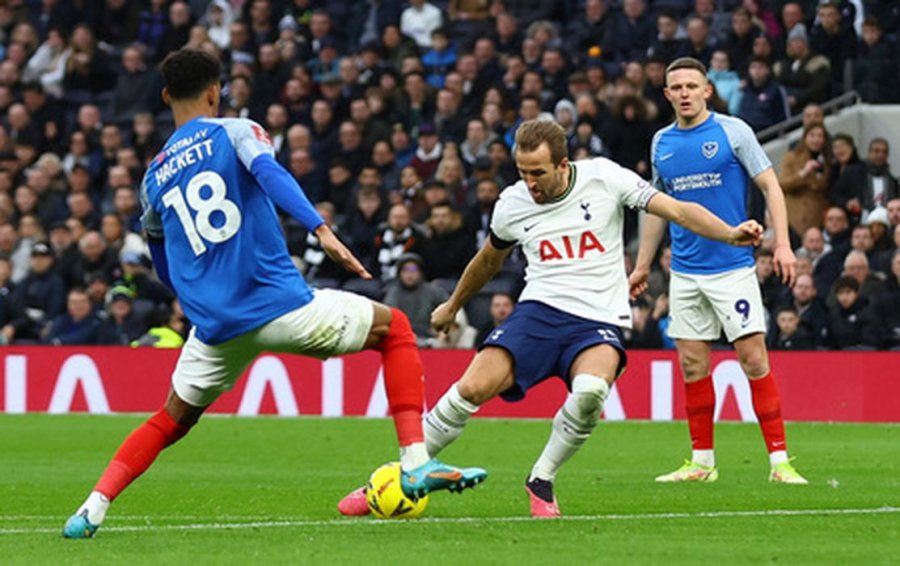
709	159
216	240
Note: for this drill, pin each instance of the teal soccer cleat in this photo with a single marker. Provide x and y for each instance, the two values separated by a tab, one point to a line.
435	475
78	526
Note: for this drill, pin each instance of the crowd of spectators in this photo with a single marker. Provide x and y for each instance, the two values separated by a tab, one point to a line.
397	119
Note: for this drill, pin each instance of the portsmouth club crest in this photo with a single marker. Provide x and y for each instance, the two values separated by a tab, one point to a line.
710	149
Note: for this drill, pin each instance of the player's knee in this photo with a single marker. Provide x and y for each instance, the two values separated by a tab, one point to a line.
693	367
475	391
755	364
399	331
589	392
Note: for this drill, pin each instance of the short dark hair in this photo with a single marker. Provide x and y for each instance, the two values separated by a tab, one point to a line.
188	72
846	282
686	63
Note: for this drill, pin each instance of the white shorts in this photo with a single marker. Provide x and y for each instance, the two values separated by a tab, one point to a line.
333	323
702	306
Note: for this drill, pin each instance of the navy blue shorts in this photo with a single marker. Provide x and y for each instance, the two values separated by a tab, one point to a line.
544	342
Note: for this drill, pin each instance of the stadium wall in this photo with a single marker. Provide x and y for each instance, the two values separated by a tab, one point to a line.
815	386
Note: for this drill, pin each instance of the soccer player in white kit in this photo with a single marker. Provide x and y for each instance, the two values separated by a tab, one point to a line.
709	159
568	219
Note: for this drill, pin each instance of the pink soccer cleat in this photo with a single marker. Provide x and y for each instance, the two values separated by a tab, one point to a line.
543	502
354	503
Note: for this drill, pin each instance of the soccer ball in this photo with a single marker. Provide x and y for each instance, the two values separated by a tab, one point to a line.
385	496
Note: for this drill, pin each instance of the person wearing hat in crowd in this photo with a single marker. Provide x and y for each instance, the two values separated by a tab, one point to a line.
803	73
79	325
415	297
882	244
121	325
429	153
37	299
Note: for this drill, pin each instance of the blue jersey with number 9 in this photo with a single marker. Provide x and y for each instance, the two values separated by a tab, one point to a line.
228	260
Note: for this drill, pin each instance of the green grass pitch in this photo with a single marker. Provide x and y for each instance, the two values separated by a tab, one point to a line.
263	491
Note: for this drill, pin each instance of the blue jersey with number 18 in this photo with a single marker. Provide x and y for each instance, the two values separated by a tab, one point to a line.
228	261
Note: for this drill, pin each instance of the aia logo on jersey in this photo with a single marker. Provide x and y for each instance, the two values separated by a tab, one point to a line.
710	149
261	134
570	247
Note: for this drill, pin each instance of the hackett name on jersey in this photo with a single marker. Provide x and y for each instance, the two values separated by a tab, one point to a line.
587	241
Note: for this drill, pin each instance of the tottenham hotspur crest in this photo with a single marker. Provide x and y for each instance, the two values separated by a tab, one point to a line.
710	149
585	206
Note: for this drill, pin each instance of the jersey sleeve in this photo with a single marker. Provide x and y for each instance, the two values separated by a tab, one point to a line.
250	140
150	220
630	188
745	146
500	232
655	179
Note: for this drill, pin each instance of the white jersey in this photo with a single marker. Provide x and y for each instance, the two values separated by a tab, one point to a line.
574	245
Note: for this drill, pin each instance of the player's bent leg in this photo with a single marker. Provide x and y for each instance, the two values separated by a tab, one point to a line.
754	360
404	378
489	374
135	455
593	372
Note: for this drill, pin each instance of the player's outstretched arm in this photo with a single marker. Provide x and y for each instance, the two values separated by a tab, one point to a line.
338	252
481	269
697	219
651	236
783	259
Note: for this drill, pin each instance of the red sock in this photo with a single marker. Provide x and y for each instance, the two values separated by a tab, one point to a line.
404	379
138	451
767	405
701	406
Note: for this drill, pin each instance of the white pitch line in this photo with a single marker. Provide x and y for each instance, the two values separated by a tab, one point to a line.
465	520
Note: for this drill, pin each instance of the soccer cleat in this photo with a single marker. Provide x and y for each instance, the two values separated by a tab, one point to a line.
78	526
785	473
690	471
543	502
354	504
435	475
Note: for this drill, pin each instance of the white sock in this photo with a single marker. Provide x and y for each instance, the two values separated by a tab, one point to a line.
445	421
705	457
572	425
96	505
778	457
413	455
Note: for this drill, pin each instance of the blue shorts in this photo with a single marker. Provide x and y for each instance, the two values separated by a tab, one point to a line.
544	341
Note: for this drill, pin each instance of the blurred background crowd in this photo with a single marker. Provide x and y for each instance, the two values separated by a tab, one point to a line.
397	119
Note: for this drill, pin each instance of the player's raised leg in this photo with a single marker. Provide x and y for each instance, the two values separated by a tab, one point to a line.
392	335
134	456
700	404
592	374
754	359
